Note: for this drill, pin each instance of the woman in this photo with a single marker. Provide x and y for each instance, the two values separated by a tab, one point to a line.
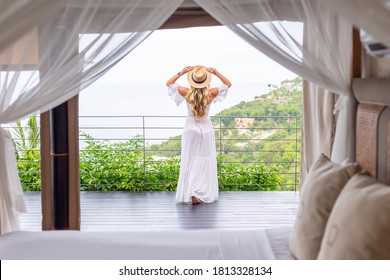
198	180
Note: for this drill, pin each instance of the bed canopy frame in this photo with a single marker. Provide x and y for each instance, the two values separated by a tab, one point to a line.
59	130
59	125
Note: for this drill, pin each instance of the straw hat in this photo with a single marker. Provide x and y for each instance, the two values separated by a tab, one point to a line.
199	77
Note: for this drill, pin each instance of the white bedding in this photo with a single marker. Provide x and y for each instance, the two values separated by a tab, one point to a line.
139	245
279	240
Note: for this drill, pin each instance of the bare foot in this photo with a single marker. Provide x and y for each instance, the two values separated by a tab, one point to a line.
196	200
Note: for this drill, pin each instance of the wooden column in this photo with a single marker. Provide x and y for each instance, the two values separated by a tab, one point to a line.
45	171
59	148
74	164
49	185
59	158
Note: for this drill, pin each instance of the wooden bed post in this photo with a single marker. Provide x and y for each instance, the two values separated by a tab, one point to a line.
356	54
356	72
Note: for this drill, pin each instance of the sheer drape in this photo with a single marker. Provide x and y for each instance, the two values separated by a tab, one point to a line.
319	108
275	27
17	17
61	51
372	16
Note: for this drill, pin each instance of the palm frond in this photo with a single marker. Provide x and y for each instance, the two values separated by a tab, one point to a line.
33	134
26	139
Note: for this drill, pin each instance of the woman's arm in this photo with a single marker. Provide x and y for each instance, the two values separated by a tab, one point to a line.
220	76
213	92
178	75
182	90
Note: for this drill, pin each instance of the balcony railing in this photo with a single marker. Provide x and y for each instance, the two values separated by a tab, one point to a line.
143	153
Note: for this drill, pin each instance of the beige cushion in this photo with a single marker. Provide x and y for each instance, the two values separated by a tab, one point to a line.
318	194
359	225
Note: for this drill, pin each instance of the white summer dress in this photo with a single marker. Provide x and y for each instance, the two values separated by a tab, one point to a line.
198	163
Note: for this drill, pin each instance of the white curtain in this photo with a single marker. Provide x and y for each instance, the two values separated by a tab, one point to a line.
319	108
372	16
17	17
276	28
47	60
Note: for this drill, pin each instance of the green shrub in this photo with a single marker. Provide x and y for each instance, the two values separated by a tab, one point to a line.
257	177
123	166
30	172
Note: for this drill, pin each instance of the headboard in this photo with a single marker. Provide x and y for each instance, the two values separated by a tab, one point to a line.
373	126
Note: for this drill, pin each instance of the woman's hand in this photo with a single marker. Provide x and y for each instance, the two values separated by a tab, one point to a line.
212	70
178	75
224	80
186	70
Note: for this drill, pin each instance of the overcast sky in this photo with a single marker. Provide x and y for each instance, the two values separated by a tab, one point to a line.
165	52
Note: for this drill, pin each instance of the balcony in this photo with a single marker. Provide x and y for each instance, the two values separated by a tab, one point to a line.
140	154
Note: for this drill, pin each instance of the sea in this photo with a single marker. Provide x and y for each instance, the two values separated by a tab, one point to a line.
120	112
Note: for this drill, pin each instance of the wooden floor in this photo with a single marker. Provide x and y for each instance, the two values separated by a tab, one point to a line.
123	211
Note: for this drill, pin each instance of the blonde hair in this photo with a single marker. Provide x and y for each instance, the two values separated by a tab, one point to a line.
199	98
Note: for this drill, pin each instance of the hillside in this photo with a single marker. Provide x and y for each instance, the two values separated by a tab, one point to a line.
261	118
284	100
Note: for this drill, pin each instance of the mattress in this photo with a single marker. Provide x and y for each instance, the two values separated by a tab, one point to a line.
253	244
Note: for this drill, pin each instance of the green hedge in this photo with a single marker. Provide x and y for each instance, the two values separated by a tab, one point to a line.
106	166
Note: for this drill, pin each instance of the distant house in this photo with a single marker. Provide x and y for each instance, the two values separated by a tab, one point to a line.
244	122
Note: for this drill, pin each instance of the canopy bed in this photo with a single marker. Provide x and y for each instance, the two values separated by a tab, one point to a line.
56	48
342	195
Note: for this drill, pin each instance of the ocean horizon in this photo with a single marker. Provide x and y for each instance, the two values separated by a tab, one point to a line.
153	100
119	112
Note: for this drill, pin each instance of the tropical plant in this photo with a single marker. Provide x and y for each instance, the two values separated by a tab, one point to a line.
27	149
125	166
26	138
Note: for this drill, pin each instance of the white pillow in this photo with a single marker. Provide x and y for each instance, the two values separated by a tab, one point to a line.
359	225
318	194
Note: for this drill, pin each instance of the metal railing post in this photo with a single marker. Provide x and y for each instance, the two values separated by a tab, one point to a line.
296	153
220	150
144	147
